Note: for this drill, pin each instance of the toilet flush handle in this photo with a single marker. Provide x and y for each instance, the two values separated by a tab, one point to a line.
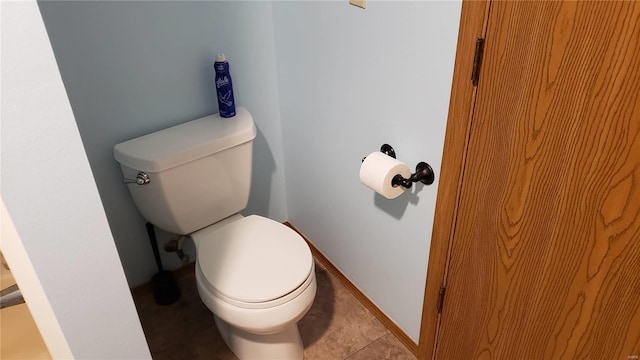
141	179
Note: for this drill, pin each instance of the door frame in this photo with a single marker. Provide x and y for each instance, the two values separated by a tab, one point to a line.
473	24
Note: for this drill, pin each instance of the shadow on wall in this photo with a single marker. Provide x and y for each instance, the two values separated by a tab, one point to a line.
264	168
397	207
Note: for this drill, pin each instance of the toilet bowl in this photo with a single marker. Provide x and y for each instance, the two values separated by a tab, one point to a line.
258	279
256	275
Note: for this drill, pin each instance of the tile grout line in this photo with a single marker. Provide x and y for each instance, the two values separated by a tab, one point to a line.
366	346
407	341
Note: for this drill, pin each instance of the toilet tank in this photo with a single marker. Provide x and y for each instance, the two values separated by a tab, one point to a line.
199	172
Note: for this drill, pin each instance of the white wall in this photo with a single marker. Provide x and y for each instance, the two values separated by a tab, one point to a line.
131	68
349	81
54	227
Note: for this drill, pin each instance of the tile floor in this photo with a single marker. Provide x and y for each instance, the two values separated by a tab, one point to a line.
336	327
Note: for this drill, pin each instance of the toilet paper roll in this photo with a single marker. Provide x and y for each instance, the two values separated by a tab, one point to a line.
378	169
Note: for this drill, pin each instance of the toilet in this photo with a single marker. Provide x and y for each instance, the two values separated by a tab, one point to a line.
256	275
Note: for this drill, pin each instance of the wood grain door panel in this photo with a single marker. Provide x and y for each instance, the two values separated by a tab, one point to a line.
545	261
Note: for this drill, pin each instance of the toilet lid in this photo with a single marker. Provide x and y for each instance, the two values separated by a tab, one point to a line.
254	259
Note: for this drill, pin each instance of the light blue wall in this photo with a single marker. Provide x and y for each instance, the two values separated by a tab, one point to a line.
349	81
327	83
131	68
53	229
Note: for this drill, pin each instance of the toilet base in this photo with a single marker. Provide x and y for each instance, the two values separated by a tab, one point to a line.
283	345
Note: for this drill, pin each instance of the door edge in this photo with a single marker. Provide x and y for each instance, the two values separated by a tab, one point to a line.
473	22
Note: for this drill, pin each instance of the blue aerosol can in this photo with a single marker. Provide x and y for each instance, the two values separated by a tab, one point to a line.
224	87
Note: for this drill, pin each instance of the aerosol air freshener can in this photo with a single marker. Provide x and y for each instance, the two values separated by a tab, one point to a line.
224	88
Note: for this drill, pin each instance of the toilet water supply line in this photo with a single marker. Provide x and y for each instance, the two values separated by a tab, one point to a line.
175	245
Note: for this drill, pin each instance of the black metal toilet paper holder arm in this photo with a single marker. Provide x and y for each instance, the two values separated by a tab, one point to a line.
424	173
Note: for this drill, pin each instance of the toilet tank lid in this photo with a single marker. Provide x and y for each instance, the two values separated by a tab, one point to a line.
186	142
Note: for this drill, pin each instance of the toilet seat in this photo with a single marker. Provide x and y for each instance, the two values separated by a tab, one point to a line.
258	305
253	262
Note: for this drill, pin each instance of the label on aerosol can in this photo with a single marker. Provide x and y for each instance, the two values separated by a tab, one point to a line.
224	87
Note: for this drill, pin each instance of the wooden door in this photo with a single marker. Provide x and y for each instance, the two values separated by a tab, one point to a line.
545	256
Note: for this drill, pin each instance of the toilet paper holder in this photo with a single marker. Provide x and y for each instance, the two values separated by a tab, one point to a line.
424	173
